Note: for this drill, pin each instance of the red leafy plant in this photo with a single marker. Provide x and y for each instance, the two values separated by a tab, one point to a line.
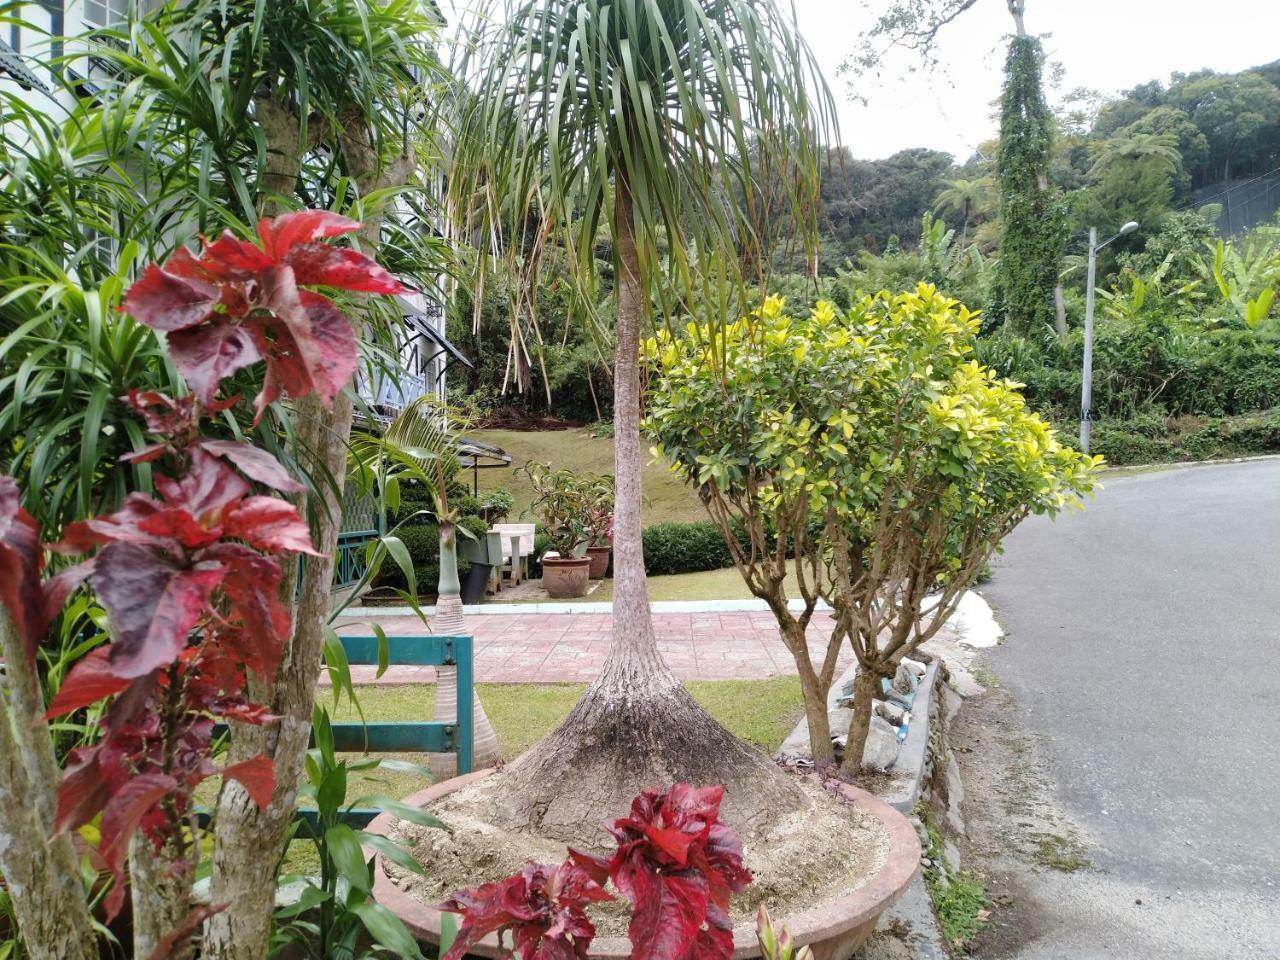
191	578
675	862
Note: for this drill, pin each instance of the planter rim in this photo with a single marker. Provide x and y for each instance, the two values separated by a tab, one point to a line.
564	561
812	926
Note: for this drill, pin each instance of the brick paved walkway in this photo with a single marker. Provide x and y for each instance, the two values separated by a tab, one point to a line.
562	647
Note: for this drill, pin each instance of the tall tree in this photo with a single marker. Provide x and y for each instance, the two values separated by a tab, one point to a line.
1033	237
646	121
969	197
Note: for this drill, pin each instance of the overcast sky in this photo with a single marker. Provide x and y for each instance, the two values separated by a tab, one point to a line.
1109	45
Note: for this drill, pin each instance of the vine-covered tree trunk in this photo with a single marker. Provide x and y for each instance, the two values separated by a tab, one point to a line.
1031	212
636	725
41	871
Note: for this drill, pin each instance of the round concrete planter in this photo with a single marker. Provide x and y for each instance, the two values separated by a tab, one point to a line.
599	557
832	930
565	579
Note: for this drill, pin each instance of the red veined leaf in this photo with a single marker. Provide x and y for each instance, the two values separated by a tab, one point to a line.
308	342
153	602
207	486
320	264
207	354
713	943
281	234
177	524
671	841
152	451
269	524
167	301
185	929
230	259
597	868
258	777
90	680
82	792
667	909
251	584
20	562
60	586
255	463
544	908
121	818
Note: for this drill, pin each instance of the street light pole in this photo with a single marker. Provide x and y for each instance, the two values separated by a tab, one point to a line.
1086	380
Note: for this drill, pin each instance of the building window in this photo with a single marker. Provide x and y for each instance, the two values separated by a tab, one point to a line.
106	13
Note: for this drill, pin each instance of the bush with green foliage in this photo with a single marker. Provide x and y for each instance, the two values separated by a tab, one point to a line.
866	455
675	547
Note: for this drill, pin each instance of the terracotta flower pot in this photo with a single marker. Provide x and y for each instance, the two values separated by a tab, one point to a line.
599	557
832	930
565	578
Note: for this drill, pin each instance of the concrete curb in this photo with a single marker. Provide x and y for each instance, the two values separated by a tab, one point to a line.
905	791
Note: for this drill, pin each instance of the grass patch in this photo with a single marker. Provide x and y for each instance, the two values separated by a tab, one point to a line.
959	897
666	497
1065	854
723	584
761	712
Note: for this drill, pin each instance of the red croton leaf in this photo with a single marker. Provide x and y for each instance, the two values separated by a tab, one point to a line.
256	464
211	352
185	929
239	303
281	234
153	601
543	907
90	680
269	524
678	865
82	792
165	300
667	908
257	776
252	588
20	561
121	817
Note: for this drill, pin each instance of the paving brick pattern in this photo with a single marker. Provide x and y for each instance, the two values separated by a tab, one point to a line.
560	648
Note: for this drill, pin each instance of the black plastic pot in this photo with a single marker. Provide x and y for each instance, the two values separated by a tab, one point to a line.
475	582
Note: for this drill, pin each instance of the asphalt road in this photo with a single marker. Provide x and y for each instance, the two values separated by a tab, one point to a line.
1144	645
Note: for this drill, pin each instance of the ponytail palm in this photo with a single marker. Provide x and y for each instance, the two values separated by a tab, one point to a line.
653	122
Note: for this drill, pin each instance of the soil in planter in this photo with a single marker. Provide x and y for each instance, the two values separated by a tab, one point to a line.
801	862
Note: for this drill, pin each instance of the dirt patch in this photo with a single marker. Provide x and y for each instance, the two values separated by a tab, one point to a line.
1017	832
803	860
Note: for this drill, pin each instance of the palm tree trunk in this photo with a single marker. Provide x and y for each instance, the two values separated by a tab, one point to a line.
636	726
449	620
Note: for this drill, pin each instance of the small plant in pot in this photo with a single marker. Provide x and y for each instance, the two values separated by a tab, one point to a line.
597	496
558	504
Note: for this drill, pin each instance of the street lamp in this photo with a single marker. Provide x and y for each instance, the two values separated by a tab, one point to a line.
1086	386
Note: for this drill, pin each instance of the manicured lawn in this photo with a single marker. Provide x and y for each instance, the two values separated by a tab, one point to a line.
666	498
761	712
724	584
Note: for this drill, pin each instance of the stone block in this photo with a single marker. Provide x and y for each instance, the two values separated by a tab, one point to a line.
882	745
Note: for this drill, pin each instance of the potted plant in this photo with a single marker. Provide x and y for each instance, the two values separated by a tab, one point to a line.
597	495
559	505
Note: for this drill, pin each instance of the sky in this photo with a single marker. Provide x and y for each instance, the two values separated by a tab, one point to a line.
1108	45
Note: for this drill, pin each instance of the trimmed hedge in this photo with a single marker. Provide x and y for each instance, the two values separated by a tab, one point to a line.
686	548
1151	439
